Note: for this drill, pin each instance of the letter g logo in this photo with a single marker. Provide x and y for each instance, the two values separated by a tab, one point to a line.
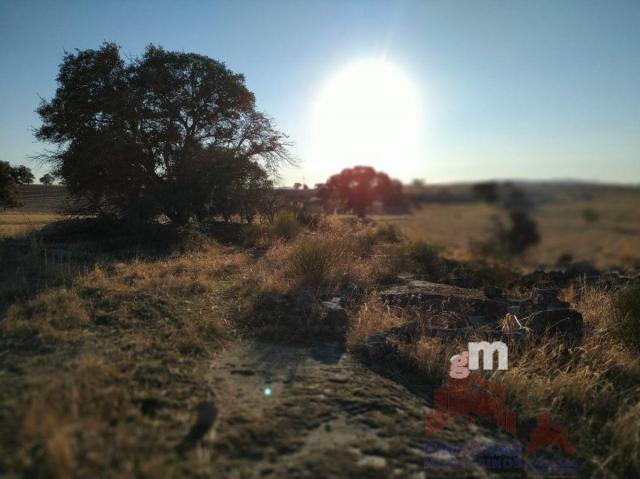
459	369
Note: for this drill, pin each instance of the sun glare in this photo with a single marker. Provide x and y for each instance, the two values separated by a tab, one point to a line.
367	114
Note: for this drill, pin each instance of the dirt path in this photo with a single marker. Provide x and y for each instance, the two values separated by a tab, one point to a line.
294	411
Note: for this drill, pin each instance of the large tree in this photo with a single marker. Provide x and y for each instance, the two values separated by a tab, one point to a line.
163	133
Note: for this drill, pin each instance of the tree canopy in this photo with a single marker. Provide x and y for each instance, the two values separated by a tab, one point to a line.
360	186
10	178
47	179
168	132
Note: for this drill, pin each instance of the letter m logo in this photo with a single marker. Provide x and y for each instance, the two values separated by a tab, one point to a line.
487	355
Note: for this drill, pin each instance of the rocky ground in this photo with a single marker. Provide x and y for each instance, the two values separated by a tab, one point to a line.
293	410
315	411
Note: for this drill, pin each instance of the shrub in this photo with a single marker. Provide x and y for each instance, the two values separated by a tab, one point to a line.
190	238
285	226
389	233
504	242
565	259
251	235
486	191
416	256
625	319
590	215
523	232
312	260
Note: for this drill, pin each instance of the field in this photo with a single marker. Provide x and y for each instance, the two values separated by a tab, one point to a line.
199	354
18	223
612	239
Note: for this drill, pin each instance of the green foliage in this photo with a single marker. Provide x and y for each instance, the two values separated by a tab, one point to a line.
418	257
167	133
8	188
47	179
590	215
10	177
285	226
507	242
189	237
22	175
486	191
522	234
625	320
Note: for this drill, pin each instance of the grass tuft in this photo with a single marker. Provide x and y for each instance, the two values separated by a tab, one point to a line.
625	319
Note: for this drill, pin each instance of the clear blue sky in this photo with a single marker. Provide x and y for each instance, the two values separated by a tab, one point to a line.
510	89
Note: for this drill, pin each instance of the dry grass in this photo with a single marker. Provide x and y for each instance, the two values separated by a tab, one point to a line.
53	314
325	261
592	389
102	374
103	359
611	241
371	318
16	223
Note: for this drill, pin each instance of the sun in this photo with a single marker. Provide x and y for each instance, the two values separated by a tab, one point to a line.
367	114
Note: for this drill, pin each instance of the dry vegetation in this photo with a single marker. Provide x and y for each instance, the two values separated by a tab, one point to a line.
593	388
20	223
102	360
103	352
611	238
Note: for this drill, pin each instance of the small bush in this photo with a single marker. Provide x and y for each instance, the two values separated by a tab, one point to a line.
389	233
251	235
590	215
190	238
565	259
625	318
506	243
417	257
285	226
312	260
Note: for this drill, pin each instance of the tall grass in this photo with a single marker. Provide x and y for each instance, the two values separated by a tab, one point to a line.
625	318
334	256
285	226
592	389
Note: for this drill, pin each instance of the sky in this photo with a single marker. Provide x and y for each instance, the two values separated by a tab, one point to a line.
545	89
